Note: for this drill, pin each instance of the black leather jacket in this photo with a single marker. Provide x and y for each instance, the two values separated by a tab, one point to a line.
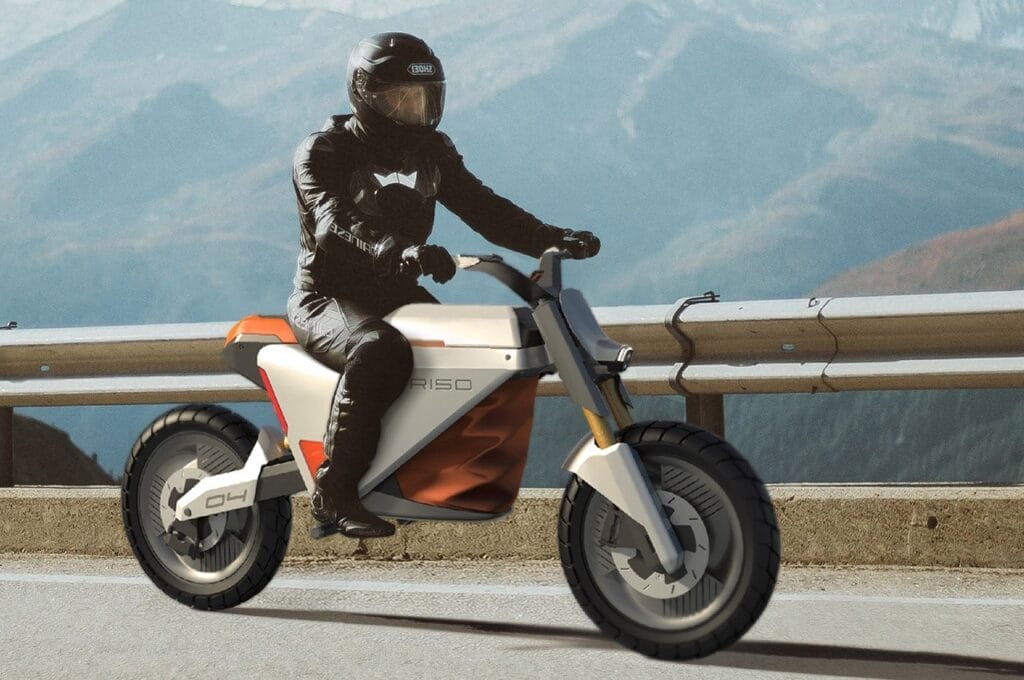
338	175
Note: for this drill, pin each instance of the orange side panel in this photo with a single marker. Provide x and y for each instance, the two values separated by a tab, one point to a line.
262	325
313	452
477	463
273	400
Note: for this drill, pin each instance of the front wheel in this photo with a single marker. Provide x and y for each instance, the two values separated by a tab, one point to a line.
725	523
212	562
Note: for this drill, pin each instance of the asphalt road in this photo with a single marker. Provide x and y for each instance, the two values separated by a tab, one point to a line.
100	618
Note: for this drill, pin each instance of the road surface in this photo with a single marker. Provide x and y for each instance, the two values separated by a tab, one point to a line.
100	618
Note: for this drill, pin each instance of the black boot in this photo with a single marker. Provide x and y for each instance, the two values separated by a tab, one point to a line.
377	368
350	444
341	512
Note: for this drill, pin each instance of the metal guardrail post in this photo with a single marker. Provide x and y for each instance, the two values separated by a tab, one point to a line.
6	446
7	433
706	411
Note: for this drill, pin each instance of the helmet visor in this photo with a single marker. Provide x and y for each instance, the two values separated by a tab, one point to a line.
405	103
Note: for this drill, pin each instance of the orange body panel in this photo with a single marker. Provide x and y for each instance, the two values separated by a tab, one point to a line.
313	453
273	400
477	463
262	325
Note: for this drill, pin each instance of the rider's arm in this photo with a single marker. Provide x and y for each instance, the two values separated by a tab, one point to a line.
497	219
320	176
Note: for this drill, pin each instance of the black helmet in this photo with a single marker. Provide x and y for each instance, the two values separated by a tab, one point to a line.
395	84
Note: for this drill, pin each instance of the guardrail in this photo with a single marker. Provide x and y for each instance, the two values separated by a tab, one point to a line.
904	342
176	362
698	347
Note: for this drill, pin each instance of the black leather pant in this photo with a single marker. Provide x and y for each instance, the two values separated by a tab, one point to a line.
350	336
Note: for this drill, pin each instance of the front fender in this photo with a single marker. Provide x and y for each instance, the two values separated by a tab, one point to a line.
617	474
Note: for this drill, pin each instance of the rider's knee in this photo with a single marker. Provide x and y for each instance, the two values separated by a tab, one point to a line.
383	346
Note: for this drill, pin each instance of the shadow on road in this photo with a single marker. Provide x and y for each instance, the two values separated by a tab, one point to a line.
784	657
573	637
862	662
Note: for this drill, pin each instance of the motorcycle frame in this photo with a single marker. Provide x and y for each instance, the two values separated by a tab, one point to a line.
587	361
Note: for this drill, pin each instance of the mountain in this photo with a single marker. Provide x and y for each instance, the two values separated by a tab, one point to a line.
189	139
26	22
46	455
989	257
757	147
754	147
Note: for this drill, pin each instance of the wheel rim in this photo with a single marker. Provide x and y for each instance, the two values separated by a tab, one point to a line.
227	540
686	521
711	575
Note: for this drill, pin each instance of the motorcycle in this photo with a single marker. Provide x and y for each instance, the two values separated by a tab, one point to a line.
667	537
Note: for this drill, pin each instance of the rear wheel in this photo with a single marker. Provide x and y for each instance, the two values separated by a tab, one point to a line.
726	526
212	562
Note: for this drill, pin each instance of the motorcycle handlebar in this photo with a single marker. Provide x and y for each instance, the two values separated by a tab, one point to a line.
544	283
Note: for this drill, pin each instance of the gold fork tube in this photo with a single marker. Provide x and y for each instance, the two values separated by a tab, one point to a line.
603	436
620	412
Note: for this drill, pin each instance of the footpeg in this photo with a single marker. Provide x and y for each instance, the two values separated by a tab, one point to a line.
351	529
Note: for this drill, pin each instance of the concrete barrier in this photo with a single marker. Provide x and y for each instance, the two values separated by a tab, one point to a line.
907	525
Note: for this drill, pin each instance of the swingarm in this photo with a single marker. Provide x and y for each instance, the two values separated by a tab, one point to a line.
267	473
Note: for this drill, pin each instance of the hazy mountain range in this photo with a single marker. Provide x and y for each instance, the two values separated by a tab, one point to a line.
759	148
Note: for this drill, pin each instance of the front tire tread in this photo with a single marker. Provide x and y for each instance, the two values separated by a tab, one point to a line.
754	497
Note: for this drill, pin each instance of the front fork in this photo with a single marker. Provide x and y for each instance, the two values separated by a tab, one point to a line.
620	413
614	470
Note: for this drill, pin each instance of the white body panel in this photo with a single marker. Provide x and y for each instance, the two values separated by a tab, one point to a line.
305	390
459	325
423	411
446	382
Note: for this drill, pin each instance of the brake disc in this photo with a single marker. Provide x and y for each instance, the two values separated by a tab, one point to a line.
640	568
208	530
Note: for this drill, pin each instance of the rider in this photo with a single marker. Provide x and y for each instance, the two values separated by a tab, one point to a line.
367	185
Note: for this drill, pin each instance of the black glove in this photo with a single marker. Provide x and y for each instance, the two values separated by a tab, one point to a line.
387	256
429	260
580	244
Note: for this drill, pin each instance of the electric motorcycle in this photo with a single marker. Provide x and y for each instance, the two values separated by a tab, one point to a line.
667	537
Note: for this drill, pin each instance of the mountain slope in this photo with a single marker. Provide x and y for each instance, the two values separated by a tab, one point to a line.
188	138
989	257
45	455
